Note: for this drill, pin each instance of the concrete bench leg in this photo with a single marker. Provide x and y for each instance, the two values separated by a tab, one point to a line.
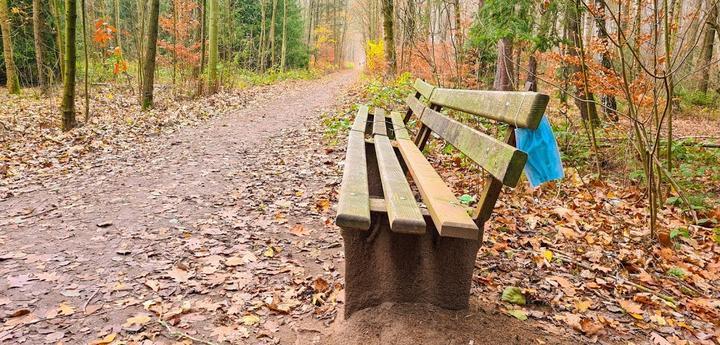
383	266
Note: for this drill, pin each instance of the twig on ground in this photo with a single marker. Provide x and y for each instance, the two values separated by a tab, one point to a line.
90	299
181	335
53	208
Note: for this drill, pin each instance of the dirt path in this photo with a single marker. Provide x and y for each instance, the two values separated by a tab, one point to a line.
221	232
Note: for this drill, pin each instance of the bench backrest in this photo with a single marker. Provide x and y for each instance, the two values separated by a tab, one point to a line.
503	162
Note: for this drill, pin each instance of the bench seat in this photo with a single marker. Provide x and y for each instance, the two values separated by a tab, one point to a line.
450	217
399	248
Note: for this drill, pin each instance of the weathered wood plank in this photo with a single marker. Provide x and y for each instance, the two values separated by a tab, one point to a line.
361	119
448	215
403	212
490	192
415	106
520	109
501	160
379	127
399	128
423	88
354	197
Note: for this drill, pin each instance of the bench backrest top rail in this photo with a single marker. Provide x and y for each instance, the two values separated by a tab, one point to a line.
519	109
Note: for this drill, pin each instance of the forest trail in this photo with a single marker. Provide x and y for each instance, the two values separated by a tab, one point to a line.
152	219
221	232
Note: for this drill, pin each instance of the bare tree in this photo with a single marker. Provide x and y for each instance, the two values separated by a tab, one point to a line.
388	22
13	83
68	101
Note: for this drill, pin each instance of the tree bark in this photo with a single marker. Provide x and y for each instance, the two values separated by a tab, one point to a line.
283	48
213	49
150	51
13	83
118	43
55	8
272	33
261	47
87	61
584	99
141	45
388	20
37	36
203	23
608	102
504	66
708	45
68	101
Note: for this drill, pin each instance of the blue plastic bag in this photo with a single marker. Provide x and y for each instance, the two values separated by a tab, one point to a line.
543	162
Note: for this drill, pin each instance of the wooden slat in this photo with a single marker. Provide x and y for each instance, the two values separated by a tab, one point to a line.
379	122
361	119
520	109
415	105
378	205
424	88
399	126
354	203
403	213
448	215
497	158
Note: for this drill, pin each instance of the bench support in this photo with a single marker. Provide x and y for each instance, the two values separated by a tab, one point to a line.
384	266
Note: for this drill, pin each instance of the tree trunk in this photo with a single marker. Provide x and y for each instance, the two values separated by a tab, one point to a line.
13	84
272	33
531	81
175	38
584	99
203	23
150	51
708	45
283	48
261	47
141	45
504	66
609	105
85	50
68	101
37	36
213	49
388	19
118	43
55	7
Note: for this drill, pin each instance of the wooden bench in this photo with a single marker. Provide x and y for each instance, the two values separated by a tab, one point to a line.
397	250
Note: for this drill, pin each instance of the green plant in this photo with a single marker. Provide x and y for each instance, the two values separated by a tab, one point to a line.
676	272
697	98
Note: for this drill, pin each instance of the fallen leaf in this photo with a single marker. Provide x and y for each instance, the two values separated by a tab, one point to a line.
518	314
320	285
104	340
139	320
299	230
65	309
19	312
630	306
514	295
54	337
250	319
234	261
153	284
91	309
583	305
179	275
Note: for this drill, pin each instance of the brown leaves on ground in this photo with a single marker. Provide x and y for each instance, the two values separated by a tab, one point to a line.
582	248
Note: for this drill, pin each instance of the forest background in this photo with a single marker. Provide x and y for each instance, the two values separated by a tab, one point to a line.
634	103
